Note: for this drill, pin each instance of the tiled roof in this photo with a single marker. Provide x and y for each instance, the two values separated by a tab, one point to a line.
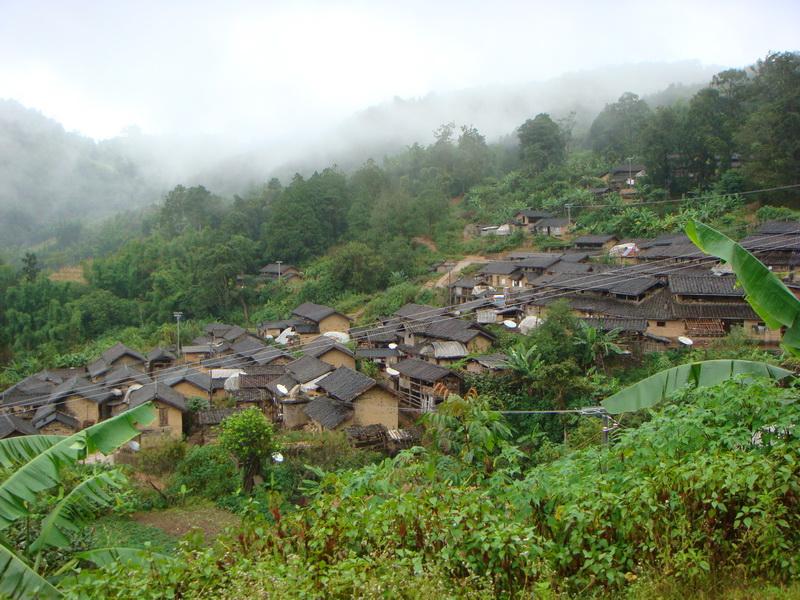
314	312
160	354
10	424
328	412
501	267
710	285
201	380
125	373
593	240
372	353
119	350
422	370
307	369
78	386
214	416
495	362
346	384
532	213
160	392
552	222
611	323
319	346
772	227
419	311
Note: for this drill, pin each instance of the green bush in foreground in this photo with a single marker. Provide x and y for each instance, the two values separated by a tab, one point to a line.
707	490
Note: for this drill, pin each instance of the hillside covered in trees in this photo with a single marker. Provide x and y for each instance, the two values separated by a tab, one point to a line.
357	233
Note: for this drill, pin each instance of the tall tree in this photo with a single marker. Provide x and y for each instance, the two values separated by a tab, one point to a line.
542	143
615	131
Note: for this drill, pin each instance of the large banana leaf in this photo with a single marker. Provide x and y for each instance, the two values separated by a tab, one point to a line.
76	509
23	448
103	557
652	390
770	298
18	580
42	472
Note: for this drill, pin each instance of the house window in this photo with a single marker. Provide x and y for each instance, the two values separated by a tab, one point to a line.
661	323
163	417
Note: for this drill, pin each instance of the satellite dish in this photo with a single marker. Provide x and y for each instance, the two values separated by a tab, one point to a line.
510	324
277	457
685	341
339	336
392	372
134	446
282	389
392	346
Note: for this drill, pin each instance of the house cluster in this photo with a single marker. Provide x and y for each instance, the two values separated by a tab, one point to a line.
661	292
314	370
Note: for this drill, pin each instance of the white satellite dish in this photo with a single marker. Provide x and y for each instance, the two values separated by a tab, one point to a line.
134	446
392	372
282	389
277	457
339	336
685	340
392	346
510	324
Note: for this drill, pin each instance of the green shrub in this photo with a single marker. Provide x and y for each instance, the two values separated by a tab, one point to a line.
206	471
161	459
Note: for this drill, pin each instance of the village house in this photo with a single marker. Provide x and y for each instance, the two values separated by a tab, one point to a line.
623	177
488	363
697	305
777	245
289	391
189	383
170	410
530	216
116	356
553	227
196	353
443	353
330	351
123	377
383	357
308	321
159	358
86	402
462	289
222	332
595	242
451	329
274	272
418	380
35	387
502	274
13	426
352	398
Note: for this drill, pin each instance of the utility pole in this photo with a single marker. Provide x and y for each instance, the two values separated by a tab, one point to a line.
630	171
178	315
278	262
569	214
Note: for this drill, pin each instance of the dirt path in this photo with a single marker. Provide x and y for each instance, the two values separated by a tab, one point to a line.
452	275
180	520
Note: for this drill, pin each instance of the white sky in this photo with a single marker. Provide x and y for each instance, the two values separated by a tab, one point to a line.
273	69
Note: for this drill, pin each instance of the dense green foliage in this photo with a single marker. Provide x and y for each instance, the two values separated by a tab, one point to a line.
707	488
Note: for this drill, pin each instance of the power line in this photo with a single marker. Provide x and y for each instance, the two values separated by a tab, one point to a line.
529	297
709	197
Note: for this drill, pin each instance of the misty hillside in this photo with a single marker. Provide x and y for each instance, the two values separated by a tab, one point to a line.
495	110
49	176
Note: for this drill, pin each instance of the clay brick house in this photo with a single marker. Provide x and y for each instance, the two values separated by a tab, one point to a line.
170	409
116	356
354	399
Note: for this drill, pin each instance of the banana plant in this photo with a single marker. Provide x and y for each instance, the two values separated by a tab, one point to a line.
776	305
41	460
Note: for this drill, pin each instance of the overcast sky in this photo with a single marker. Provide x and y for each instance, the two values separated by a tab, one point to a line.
274	68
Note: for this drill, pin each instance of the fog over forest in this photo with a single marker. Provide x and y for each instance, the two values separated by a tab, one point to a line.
49	175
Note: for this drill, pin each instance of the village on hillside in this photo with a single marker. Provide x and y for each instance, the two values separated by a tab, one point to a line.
317	371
